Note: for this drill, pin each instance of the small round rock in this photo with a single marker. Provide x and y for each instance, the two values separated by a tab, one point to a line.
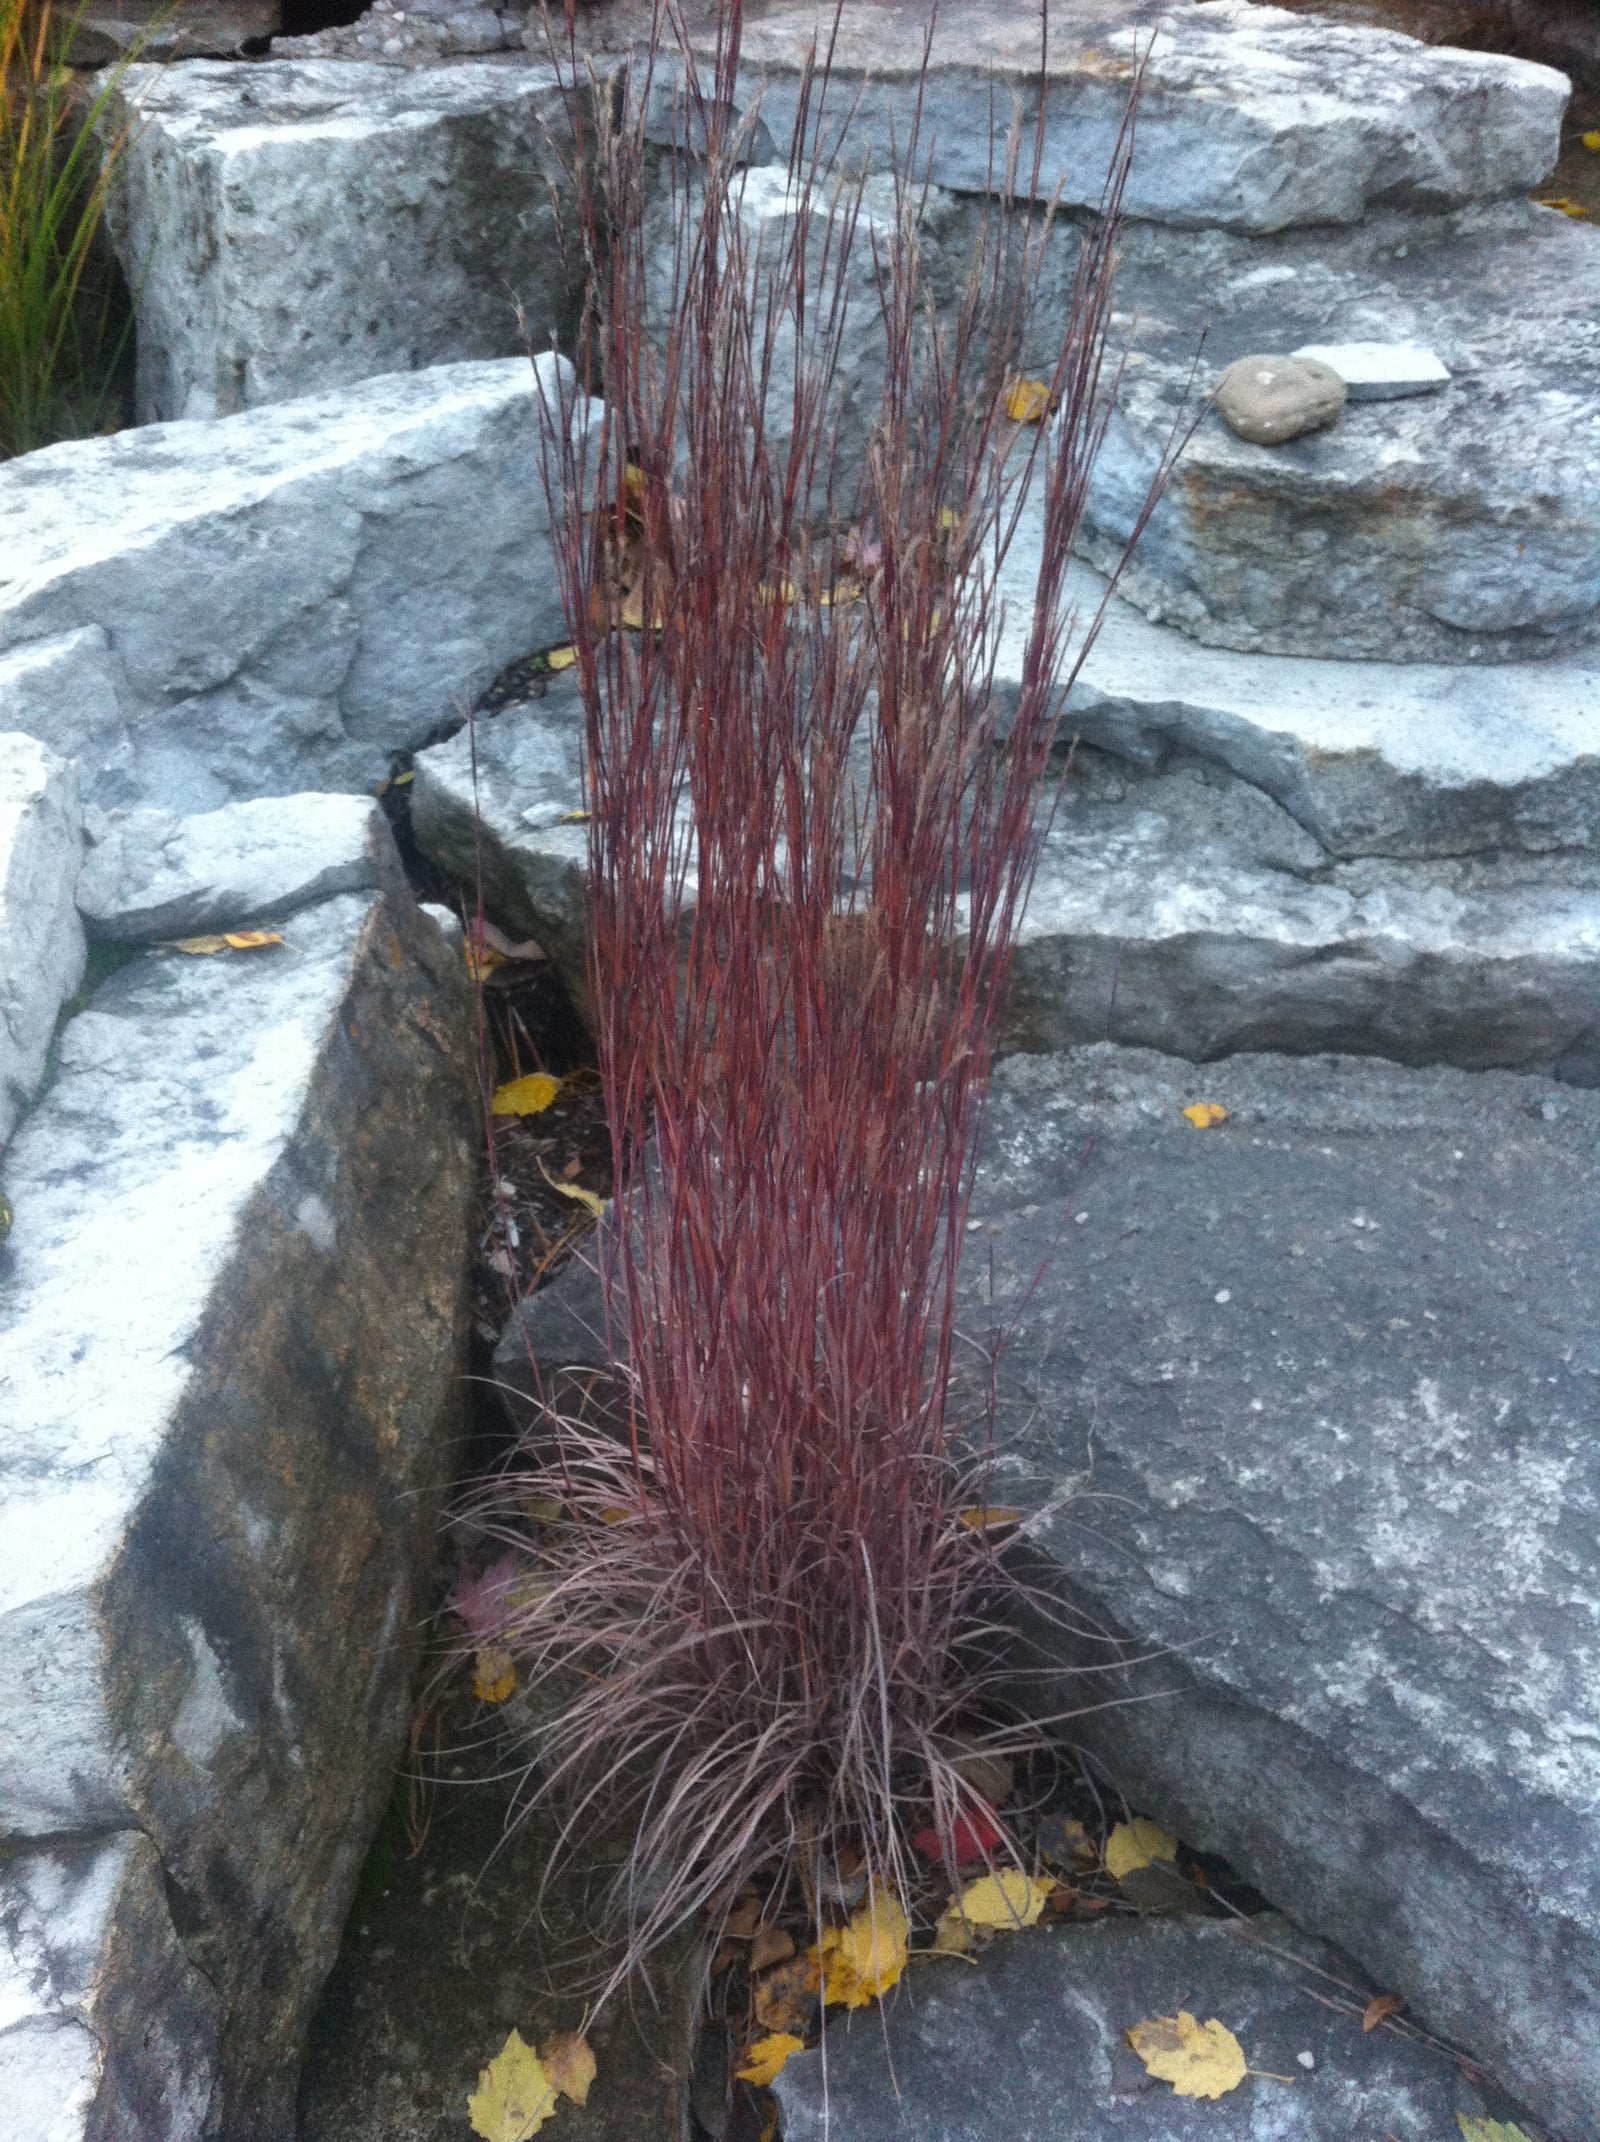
1269	400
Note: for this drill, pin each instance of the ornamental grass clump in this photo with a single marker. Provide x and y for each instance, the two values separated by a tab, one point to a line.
63	320
752	1601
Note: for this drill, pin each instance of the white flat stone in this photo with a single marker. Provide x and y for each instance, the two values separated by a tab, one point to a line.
41	938
293	226
1380	371
277	601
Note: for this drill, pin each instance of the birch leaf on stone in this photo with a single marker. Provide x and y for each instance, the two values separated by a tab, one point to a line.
1198	2059
764	2061
858	1963
514	2096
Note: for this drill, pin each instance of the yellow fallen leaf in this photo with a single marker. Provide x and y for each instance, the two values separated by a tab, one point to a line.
1567	208
560	658
529	1096
1006	1900
569	2064
1027	401
542	1509
514	2096
403	780
1198	2059
481	960
494	1674
574	818
784	1995
251	940
1474	2129
576	1191
200	947
1591	142
987	1520
1205	1115
614	1514
858	1963
1135	1844
764	2061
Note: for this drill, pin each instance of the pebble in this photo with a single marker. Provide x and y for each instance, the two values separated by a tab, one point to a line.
1269	400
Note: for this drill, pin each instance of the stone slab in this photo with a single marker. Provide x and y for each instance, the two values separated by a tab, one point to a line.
1251	119
1307	1403
1029	2045
1406	760
231	1313
1182	910
151	874
41	939
297	225
1456	527
278	601
109	30
1182	916
1380	371
107	2027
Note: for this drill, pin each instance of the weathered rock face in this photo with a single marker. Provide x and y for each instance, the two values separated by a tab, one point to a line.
299	225
1029	2045
279	601
229	1348
1252	119
1460	526
150	874
1327	1375
41	938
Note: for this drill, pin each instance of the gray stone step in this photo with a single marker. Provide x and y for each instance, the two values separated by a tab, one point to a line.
1201	920
231	1315
1307	1403
297	225
1029	2046
1182	911
1252	119
1371	758
280	600
1462	526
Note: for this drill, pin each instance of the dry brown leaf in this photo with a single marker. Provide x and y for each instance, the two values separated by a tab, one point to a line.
784	1997
772	1945
1198	2059
1381	2006
744	1918
764	2062
514	2096
569	2064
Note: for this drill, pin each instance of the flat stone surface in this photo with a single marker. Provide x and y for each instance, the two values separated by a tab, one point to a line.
106	30
231	1312
1028	2046
1195	917
281	600
1327	1379
1252	119
151	874
1371	758
294	225
1462	526
1380	371
1185	910
41	939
